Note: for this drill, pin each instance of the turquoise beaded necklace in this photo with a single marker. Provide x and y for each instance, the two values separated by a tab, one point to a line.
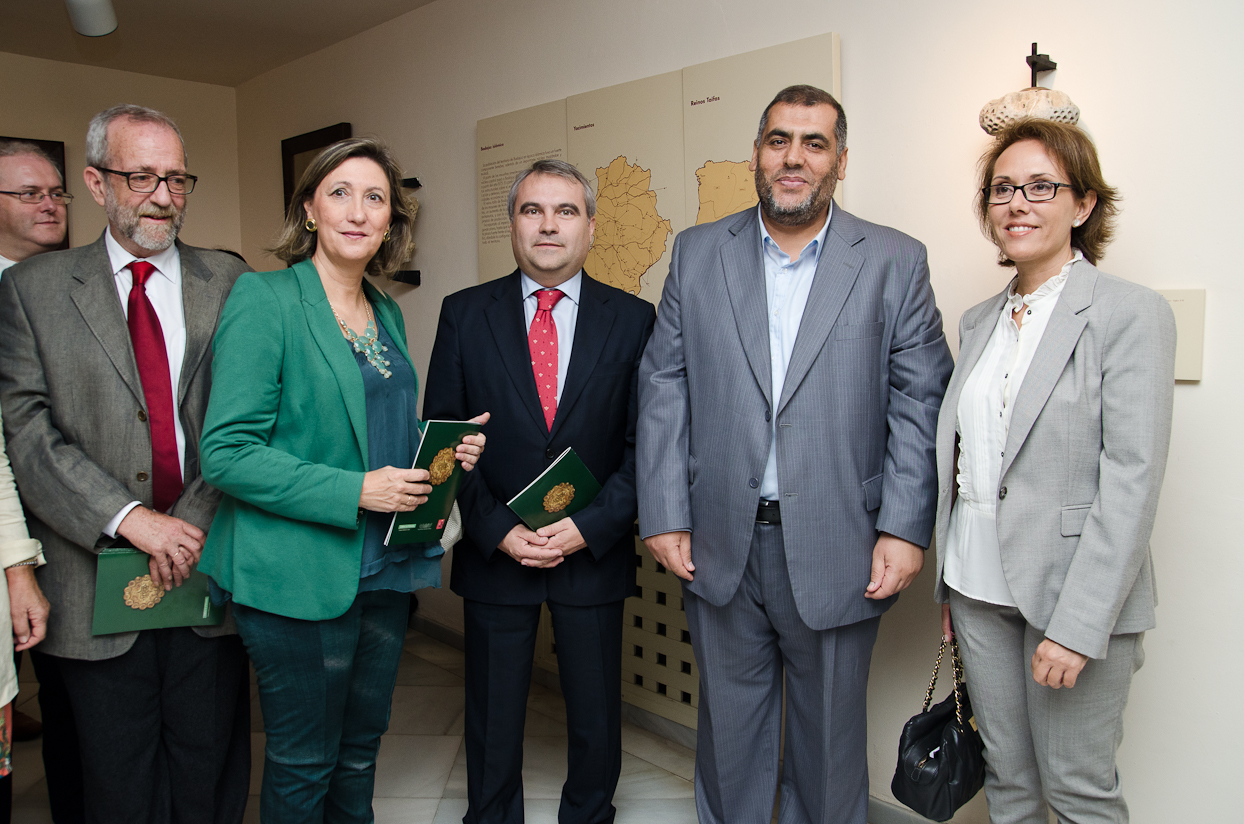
368	343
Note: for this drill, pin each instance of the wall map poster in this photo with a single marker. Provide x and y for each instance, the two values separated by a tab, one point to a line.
664	153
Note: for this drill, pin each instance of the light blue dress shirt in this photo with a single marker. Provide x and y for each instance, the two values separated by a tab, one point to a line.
565	316
787	283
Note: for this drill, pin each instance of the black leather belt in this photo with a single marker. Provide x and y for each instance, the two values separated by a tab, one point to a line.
768	512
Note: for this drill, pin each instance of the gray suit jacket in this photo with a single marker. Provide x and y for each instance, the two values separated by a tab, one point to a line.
855	422
75	417
1084	458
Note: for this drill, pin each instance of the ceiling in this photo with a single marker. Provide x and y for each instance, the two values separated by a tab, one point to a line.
224	42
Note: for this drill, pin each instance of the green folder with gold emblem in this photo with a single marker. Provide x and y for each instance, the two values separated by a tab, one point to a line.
560	491
127	599
426	522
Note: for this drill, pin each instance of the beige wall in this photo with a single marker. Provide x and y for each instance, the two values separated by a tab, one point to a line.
47	100
914	78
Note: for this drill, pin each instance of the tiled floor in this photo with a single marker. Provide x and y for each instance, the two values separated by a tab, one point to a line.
421	774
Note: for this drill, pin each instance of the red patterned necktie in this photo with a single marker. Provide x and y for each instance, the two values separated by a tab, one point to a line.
542	341
153	371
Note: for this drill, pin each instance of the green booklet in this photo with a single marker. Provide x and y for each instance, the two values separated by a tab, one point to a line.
127	599
426	522
560	491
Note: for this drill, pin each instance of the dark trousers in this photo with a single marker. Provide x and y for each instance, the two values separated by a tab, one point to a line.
326	688
164	730
747	650
62	761
500	644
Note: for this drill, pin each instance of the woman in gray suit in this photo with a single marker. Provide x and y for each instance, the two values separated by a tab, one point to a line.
1051	446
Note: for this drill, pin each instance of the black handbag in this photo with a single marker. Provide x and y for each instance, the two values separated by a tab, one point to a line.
941	757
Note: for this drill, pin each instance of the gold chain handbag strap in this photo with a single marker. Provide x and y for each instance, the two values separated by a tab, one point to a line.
960	684
928	694
956	665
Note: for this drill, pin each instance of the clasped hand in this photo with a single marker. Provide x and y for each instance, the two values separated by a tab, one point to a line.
173	544
546	547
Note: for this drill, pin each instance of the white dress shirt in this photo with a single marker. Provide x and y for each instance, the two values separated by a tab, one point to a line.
973	558
787	284
164	292
565	316
5	263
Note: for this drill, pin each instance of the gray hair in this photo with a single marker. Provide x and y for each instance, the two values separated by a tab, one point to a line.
804	95
97	132
557	168
13	148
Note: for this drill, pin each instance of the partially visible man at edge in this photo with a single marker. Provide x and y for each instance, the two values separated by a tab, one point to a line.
104	377
34	206
33	220
788	407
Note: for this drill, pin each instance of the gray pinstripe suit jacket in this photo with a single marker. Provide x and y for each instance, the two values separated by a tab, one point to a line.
1084	458
72	401
855	422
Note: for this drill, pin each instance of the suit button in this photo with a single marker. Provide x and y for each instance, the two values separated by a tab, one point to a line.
142	476
753	483
768	416
550	454
142	416
1002	493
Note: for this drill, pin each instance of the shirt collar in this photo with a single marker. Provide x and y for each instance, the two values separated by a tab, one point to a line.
167	263
768	243
570	288
1052	286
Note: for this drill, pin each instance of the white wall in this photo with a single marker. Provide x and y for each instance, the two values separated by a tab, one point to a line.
48	100
1159	85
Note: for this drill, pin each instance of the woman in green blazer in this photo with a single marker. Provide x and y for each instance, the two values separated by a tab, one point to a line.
309	429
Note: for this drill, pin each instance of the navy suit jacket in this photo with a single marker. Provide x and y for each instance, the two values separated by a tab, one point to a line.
480	363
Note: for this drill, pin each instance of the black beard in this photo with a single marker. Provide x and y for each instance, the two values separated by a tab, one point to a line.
800	214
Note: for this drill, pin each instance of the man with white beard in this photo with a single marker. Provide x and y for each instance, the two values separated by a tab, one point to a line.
105	366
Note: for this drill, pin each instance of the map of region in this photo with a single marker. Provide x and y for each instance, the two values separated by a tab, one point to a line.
726	187
630	234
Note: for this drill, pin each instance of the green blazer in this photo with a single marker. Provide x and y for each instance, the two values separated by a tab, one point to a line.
285	439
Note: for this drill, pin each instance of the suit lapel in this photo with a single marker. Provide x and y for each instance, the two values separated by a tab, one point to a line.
836	272
592	329
201	299
1056	347
745	285
97	300
507	324
336	351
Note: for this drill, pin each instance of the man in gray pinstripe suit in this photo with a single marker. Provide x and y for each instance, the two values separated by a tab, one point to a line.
788	406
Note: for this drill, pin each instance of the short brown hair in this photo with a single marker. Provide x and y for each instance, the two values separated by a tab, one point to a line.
804	95
295	243
1072	149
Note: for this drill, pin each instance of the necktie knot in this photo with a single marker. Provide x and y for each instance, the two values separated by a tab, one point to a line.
547	298
141	270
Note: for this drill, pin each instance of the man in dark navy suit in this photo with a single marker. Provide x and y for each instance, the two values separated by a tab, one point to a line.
554	356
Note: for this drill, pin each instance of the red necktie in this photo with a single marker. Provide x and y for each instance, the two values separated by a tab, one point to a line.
542	341
152	358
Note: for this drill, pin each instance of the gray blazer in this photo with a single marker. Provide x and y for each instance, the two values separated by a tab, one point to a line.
75	417
1084	458
855	422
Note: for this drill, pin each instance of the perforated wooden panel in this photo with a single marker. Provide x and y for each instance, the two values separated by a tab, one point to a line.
658	668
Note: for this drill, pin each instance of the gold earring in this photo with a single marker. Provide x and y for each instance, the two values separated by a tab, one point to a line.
309	225
386	232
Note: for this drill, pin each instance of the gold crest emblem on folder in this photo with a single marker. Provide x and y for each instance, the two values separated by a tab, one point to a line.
442	467
143	593
559	497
